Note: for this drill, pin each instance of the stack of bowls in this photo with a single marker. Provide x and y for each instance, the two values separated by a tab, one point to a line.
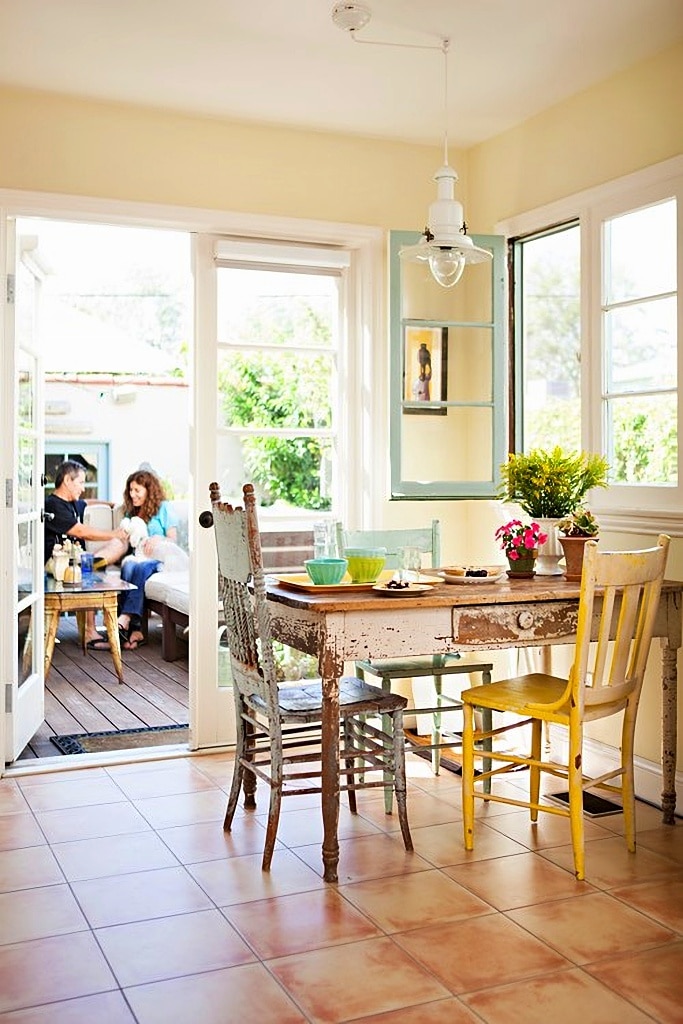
365	564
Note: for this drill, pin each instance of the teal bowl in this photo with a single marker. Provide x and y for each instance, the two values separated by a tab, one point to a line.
326	571
365	564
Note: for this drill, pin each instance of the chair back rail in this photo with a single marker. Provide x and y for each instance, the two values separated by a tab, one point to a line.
426	539
629	583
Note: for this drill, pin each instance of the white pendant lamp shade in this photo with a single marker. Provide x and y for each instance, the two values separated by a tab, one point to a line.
444	245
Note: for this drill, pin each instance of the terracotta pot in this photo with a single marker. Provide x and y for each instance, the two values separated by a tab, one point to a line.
573	548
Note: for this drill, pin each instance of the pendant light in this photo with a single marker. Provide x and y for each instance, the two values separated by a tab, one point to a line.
445	244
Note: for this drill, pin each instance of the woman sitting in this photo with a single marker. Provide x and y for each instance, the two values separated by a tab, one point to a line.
143	498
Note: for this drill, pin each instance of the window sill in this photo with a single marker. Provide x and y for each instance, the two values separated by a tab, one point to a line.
641	521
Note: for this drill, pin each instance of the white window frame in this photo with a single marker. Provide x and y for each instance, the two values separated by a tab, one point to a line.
623	507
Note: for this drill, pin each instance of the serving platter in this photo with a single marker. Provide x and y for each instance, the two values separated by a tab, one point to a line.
411	590
456	574
302	581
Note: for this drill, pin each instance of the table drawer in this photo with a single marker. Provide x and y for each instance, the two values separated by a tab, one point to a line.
503	624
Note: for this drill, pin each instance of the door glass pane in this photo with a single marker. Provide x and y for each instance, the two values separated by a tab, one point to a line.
25	455
288	472
25	556
26	649
26	391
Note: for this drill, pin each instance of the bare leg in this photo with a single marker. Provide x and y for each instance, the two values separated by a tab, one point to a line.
112	550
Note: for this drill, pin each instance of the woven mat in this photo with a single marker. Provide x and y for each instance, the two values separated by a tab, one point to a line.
122	739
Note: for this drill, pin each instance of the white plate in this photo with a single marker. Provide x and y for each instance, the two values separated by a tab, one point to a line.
412	590
494	574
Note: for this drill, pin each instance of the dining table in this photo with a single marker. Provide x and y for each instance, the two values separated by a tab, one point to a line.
346	623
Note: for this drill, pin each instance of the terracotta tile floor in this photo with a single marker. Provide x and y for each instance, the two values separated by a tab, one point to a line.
121	899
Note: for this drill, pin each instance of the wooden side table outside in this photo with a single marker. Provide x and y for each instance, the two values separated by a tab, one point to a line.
96	593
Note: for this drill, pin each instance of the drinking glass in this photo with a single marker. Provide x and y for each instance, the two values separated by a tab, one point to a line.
409	564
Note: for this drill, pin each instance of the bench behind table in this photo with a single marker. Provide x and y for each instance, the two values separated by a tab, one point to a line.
284	551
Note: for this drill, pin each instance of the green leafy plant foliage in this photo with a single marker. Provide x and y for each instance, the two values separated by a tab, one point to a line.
581	523
262	390
551	484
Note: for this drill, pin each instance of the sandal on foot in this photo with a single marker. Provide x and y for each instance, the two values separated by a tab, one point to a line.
135	642
98	643
124	635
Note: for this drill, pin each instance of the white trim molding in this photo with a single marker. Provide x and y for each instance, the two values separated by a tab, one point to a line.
599	757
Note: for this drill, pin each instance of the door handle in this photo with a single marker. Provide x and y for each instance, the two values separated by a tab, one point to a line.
206	520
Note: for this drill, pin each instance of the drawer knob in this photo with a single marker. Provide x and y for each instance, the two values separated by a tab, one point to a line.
525	620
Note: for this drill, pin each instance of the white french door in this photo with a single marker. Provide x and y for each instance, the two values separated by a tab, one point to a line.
21	618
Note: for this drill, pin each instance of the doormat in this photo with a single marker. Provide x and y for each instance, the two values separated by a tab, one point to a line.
122	739
450	759
593	806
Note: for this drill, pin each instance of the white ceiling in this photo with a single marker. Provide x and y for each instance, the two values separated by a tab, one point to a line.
285	62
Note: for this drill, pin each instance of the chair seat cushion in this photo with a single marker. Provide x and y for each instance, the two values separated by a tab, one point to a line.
170	588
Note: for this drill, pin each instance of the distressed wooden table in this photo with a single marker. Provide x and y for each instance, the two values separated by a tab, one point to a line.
97	592
347	626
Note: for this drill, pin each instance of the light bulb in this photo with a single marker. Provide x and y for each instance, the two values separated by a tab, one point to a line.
447	266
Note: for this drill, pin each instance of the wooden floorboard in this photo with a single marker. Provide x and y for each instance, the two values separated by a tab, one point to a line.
83	694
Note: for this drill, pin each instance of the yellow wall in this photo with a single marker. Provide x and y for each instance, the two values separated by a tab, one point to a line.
62	145
57	144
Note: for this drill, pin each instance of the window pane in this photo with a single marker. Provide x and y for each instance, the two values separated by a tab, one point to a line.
453	447
275	389
294	472
257	307
549	339
640	253
640	344
644	446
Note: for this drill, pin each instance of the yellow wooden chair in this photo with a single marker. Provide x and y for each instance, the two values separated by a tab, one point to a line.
618	604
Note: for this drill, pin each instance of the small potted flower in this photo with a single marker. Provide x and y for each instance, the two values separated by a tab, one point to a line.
575	530
520	543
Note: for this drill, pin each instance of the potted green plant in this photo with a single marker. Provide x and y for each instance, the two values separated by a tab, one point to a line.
549	485
575	529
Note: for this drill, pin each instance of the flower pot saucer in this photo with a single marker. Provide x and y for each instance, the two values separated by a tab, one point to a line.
521	575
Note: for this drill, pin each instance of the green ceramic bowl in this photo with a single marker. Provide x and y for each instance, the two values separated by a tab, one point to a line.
326	571
365	564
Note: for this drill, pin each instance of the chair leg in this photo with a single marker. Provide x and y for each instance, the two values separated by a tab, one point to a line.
238	774
249	783
436	725
534	770
627	784
487	722
575	778
400	777
468	775
350	776
276	775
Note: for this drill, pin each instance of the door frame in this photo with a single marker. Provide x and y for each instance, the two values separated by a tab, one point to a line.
366	328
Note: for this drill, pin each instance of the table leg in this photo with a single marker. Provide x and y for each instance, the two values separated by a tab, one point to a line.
330	673
109	612
669	739
51	624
